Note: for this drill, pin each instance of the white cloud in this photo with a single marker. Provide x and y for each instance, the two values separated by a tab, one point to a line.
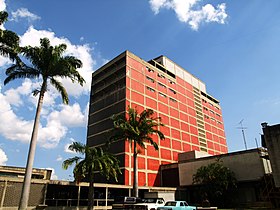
59	158
24	13
2	5
56	119
187	12
70	116
82	52
3	157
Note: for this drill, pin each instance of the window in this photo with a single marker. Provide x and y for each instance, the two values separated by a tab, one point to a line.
149	70
211	111
206	116
213	119
150	89
171	82
173	100
161	76
150	79
162	85
173	91
162	95
205	108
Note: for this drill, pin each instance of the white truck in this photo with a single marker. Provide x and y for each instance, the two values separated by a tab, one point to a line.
150	204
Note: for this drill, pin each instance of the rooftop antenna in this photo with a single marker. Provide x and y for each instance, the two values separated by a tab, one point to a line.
243	132
257	142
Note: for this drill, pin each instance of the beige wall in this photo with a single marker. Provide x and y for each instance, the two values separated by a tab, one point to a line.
247	165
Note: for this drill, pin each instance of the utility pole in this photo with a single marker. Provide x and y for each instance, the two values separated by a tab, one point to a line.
243	132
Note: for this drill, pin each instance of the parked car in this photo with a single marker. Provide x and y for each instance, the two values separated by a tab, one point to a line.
124	202
176	205
150	204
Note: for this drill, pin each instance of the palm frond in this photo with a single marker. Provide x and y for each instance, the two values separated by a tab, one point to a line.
70	161
77	147
59	87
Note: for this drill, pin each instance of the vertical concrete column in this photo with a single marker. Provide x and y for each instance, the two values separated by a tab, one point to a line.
45	193
106	196
4	194
79	195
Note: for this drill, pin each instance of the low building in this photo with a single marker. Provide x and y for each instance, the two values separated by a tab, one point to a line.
251	167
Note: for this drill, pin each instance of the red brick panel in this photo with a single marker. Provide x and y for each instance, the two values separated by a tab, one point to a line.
141	163
151	152
165	143
174	123
183	107
174	113
137	86
175	156
193	130
194	140
176	145
163	108
153	179
150	103
186	147
153	164
134	64
181	98
165	154
186	137
137	75
192	120
175	134
141	179
137	97
126	175
165	130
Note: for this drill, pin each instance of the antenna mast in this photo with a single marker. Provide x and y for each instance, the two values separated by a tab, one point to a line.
243	132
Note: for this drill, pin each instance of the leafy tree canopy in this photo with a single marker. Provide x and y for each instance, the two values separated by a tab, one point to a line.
217	183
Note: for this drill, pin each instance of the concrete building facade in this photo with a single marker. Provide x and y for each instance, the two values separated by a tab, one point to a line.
193	119
272	141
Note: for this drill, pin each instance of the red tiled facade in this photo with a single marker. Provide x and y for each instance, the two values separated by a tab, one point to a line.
192	118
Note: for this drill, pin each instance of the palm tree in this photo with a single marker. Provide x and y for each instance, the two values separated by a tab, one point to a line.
48	64
9	40
138	129
95	160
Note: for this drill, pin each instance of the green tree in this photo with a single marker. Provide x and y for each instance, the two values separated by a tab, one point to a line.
94	160
138	129
49	64
217	183
9	40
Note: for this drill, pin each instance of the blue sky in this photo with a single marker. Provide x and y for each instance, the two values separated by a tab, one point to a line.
232	46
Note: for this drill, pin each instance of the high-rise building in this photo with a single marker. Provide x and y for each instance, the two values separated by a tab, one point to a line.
192	118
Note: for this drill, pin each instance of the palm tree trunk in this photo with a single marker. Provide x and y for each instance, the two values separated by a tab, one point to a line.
91	191
135	170
31	154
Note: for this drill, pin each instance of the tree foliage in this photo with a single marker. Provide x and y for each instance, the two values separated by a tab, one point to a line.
217	183
9	40
138	129
94	159
48	64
